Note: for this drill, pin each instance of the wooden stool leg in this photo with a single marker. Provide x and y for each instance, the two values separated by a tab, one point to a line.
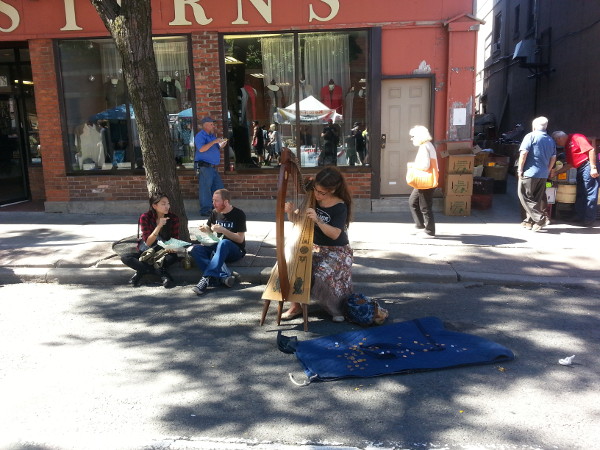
264	311
279	312
305	316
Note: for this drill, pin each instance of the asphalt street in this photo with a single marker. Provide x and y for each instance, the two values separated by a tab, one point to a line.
93	367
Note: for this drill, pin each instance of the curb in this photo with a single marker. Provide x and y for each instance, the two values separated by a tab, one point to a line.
260	275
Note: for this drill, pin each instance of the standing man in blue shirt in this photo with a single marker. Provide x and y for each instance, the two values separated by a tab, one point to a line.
537	156
206	161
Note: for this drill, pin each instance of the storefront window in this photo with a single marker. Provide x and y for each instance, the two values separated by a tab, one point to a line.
322	118
101	126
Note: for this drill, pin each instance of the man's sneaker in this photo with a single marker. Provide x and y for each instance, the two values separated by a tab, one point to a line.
537	227
201	287
228	281
526	224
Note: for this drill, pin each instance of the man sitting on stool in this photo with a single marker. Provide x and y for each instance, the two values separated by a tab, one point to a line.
229	223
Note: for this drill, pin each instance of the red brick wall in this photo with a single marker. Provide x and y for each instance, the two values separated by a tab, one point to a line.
36	183
47	105
207	80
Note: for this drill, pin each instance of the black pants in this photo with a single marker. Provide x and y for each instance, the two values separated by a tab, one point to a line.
132	260
421	208
532	195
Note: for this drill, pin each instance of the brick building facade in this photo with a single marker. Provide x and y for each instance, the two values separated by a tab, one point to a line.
424	51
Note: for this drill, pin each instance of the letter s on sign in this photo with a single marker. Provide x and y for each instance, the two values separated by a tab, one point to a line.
12	14
335	8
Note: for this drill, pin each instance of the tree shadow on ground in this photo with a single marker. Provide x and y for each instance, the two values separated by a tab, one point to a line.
233	381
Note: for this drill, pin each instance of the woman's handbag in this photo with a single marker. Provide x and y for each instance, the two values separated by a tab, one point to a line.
423	179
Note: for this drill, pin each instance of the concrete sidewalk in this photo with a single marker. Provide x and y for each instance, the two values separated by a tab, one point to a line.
489	246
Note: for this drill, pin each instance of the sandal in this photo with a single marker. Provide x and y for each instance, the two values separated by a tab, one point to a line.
290	315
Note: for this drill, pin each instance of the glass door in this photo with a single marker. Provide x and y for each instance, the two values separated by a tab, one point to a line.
13	182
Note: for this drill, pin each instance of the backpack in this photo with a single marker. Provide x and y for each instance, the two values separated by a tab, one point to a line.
364	311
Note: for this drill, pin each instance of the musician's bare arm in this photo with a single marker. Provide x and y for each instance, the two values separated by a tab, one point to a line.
328	230
291	211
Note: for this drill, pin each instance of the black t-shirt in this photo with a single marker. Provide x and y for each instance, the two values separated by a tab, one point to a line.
336	217
234	221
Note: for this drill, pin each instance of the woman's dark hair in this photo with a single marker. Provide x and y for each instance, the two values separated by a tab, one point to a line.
165	232
155	198
332	179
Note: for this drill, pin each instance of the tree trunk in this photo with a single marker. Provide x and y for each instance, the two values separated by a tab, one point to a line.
131	28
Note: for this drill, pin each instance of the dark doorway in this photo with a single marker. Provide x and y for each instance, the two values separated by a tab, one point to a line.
19	142
13	183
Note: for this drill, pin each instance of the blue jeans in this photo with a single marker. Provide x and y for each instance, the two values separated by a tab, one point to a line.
213	265
209	181
586	201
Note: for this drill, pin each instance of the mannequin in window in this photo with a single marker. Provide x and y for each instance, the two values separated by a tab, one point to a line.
171	92
89	145
105	141
332	96
275	97
188	88
304	89
348	109
248	103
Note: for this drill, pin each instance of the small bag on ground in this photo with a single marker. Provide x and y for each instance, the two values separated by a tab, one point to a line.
154	257
364	311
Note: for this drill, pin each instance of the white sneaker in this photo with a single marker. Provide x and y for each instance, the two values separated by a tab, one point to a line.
201	287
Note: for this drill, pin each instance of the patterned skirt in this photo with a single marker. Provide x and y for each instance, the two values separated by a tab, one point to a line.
332	277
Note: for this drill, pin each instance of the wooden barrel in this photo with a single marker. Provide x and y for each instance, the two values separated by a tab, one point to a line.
566	193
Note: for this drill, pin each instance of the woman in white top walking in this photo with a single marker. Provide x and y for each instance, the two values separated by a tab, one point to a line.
421	200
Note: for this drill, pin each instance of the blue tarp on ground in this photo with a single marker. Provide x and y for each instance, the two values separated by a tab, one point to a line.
412	346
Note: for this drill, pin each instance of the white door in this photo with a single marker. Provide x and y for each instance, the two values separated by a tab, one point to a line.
404	104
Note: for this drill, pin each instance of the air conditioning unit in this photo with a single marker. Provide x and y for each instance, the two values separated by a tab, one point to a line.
527	53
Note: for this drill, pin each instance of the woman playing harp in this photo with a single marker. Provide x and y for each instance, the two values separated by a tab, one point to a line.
332	255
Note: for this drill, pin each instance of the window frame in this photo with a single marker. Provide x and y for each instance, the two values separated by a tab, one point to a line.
130	150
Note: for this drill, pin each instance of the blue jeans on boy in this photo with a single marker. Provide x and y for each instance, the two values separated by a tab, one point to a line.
209	181
212	265
586	200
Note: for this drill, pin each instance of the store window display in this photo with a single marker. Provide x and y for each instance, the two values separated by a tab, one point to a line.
100	118
328	68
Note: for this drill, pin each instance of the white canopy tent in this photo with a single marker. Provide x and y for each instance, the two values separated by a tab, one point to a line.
311	111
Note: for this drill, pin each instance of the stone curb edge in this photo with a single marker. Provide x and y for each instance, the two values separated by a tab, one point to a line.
258	275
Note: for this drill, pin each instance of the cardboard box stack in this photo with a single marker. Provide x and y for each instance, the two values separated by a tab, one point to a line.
458	185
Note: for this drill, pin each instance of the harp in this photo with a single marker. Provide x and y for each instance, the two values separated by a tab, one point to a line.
290	279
